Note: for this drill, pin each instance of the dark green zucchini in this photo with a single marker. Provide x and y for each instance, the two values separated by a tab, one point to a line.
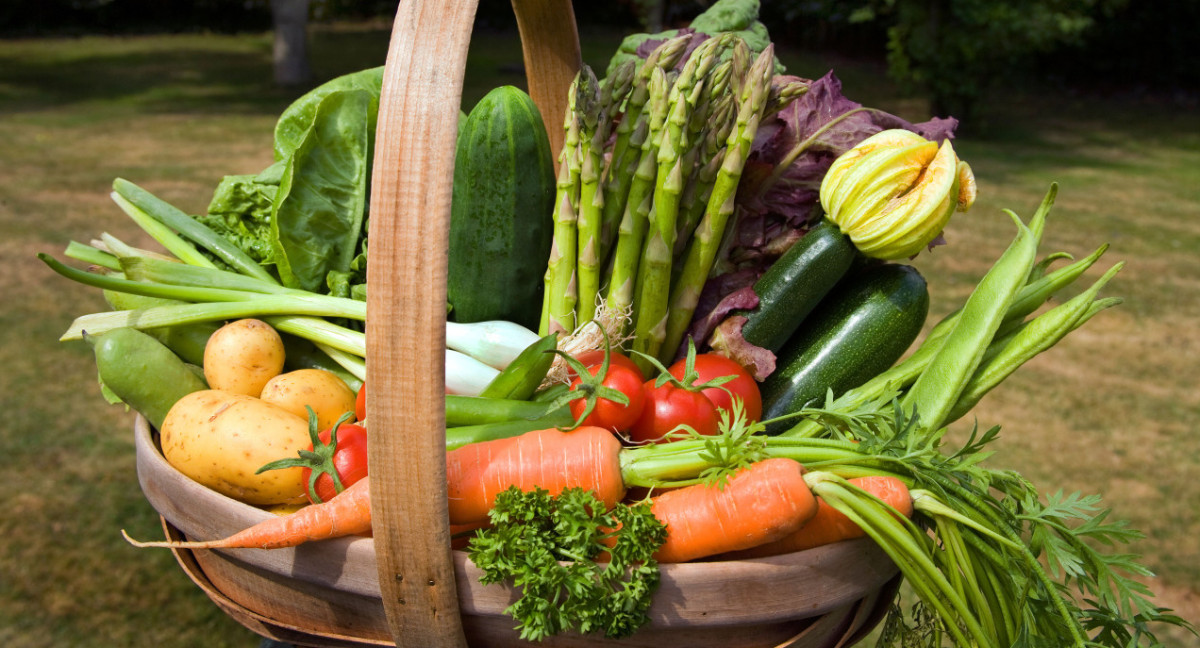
863	327
796	283
500	214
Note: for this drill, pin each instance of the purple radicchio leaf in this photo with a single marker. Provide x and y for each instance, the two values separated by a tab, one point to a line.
728	341
780	186
721	296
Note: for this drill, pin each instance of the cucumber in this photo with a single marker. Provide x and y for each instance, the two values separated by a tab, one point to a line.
142	372
500	213
796	283
863	327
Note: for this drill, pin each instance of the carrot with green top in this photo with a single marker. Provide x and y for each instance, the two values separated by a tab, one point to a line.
767	501
828	525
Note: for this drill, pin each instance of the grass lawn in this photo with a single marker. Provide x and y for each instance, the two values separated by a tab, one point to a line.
1112	410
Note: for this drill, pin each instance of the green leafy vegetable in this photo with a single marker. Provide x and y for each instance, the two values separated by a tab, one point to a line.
296	118
240	211
319	210
547	546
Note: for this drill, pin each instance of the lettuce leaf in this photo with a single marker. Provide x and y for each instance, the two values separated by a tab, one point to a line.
319	210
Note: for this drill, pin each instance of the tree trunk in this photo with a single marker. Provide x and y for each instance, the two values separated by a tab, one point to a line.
290	19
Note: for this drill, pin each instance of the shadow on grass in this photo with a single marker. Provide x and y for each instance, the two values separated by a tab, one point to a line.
155	78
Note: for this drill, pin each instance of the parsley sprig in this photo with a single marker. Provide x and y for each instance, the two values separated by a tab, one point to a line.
548	547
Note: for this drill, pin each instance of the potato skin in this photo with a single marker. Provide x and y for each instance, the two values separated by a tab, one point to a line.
242	356
329	396
221	438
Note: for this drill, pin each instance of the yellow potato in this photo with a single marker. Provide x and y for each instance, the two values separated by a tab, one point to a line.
220	439
323	391
242	356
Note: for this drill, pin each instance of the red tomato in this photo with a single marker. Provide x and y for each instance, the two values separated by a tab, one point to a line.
349	459
709	366
595	358
622	376
360	403
669	406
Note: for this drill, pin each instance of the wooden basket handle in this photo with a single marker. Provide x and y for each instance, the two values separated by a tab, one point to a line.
410	215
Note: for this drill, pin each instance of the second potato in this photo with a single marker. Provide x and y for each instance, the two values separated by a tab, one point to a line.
327	394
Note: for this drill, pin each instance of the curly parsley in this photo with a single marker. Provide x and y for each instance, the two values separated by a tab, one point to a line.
548	546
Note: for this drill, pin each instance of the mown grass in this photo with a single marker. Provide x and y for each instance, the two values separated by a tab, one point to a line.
1112	410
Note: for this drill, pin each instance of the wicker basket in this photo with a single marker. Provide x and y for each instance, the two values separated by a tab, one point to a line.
405	586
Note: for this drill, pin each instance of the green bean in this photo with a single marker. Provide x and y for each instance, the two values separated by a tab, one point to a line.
456	437
1042	333
936	391
479	410
520	379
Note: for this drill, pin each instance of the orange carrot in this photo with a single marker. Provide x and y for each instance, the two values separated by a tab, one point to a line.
759	504
347	513
829	525
587	457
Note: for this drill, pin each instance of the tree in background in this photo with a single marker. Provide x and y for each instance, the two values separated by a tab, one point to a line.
290	54
956	49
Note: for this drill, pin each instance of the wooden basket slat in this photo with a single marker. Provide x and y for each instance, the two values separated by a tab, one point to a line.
406	305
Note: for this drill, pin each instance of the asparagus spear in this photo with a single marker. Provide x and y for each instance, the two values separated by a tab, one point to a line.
702	253
782	94
614	93
654	271
591	145
710	152
558	303
626	153
635	219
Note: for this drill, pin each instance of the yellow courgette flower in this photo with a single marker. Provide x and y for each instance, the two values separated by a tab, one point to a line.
894	192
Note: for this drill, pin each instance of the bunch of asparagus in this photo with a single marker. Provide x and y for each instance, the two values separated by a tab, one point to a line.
647	179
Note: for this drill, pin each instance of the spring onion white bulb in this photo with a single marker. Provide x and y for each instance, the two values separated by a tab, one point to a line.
494	343
466	376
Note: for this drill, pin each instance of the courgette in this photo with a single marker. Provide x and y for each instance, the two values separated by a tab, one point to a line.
796	283
500	226
860	329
